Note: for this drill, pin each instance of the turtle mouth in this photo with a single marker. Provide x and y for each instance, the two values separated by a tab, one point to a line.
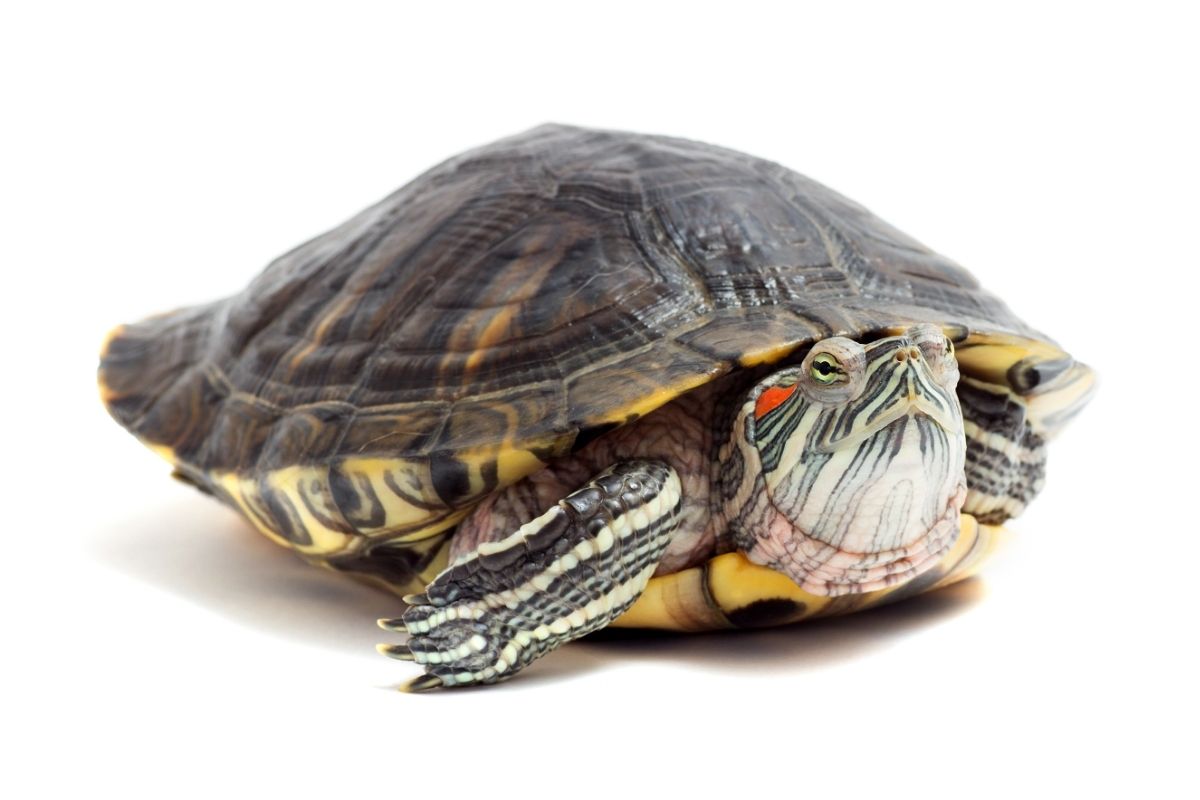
914	407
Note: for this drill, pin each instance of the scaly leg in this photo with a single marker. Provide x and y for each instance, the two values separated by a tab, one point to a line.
565	574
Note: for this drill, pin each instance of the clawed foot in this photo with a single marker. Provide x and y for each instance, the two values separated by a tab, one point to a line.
463	643
402	652
560	576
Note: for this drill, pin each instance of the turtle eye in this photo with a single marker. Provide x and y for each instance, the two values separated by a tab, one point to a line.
826	369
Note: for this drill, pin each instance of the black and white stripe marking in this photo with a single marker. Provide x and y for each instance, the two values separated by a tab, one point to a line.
560	576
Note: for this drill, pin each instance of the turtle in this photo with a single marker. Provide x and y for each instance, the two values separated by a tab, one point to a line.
578	379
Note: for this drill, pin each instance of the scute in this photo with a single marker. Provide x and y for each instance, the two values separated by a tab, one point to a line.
506	305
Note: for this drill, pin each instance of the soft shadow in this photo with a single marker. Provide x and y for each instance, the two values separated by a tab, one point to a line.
804	645
205	553
567	664
210	556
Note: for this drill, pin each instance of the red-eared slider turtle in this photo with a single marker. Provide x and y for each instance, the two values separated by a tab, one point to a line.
582	378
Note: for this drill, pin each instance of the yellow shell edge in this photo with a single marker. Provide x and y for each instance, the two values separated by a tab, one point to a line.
708	596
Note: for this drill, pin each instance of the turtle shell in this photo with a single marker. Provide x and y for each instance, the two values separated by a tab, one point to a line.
502	309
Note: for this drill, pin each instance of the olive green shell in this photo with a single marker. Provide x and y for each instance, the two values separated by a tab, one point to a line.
506	307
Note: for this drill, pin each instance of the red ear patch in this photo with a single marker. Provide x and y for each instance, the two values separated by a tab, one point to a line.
770	399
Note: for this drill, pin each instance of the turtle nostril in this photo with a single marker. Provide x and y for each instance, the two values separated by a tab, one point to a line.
901	355
915	352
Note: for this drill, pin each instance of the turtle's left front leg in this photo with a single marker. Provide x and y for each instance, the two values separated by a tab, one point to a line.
565	574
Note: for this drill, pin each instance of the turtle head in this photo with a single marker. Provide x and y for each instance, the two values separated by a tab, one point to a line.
860	451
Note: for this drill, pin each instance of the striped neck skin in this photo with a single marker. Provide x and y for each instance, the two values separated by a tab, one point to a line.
860	452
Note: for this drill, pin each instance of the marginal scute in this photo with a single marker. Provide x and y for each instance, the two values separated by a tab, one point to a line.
353	494
389	497
752	337
489	422
310	499
994	357
1047	381
622	392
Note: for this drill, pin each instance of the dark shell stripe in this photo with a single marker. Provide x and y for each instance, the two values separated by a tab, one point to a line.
398	566
480	320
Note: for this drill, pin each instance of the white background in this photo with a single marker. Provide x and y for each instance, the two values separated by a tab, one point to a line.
154	157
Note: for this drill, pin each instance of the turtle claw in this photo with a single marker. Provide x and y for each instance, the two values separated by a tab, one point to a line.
416	599
422	684
400	652
395	625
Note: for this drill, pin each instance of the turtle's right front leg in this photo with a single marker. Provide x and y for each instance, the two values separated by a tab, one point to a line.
565	574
